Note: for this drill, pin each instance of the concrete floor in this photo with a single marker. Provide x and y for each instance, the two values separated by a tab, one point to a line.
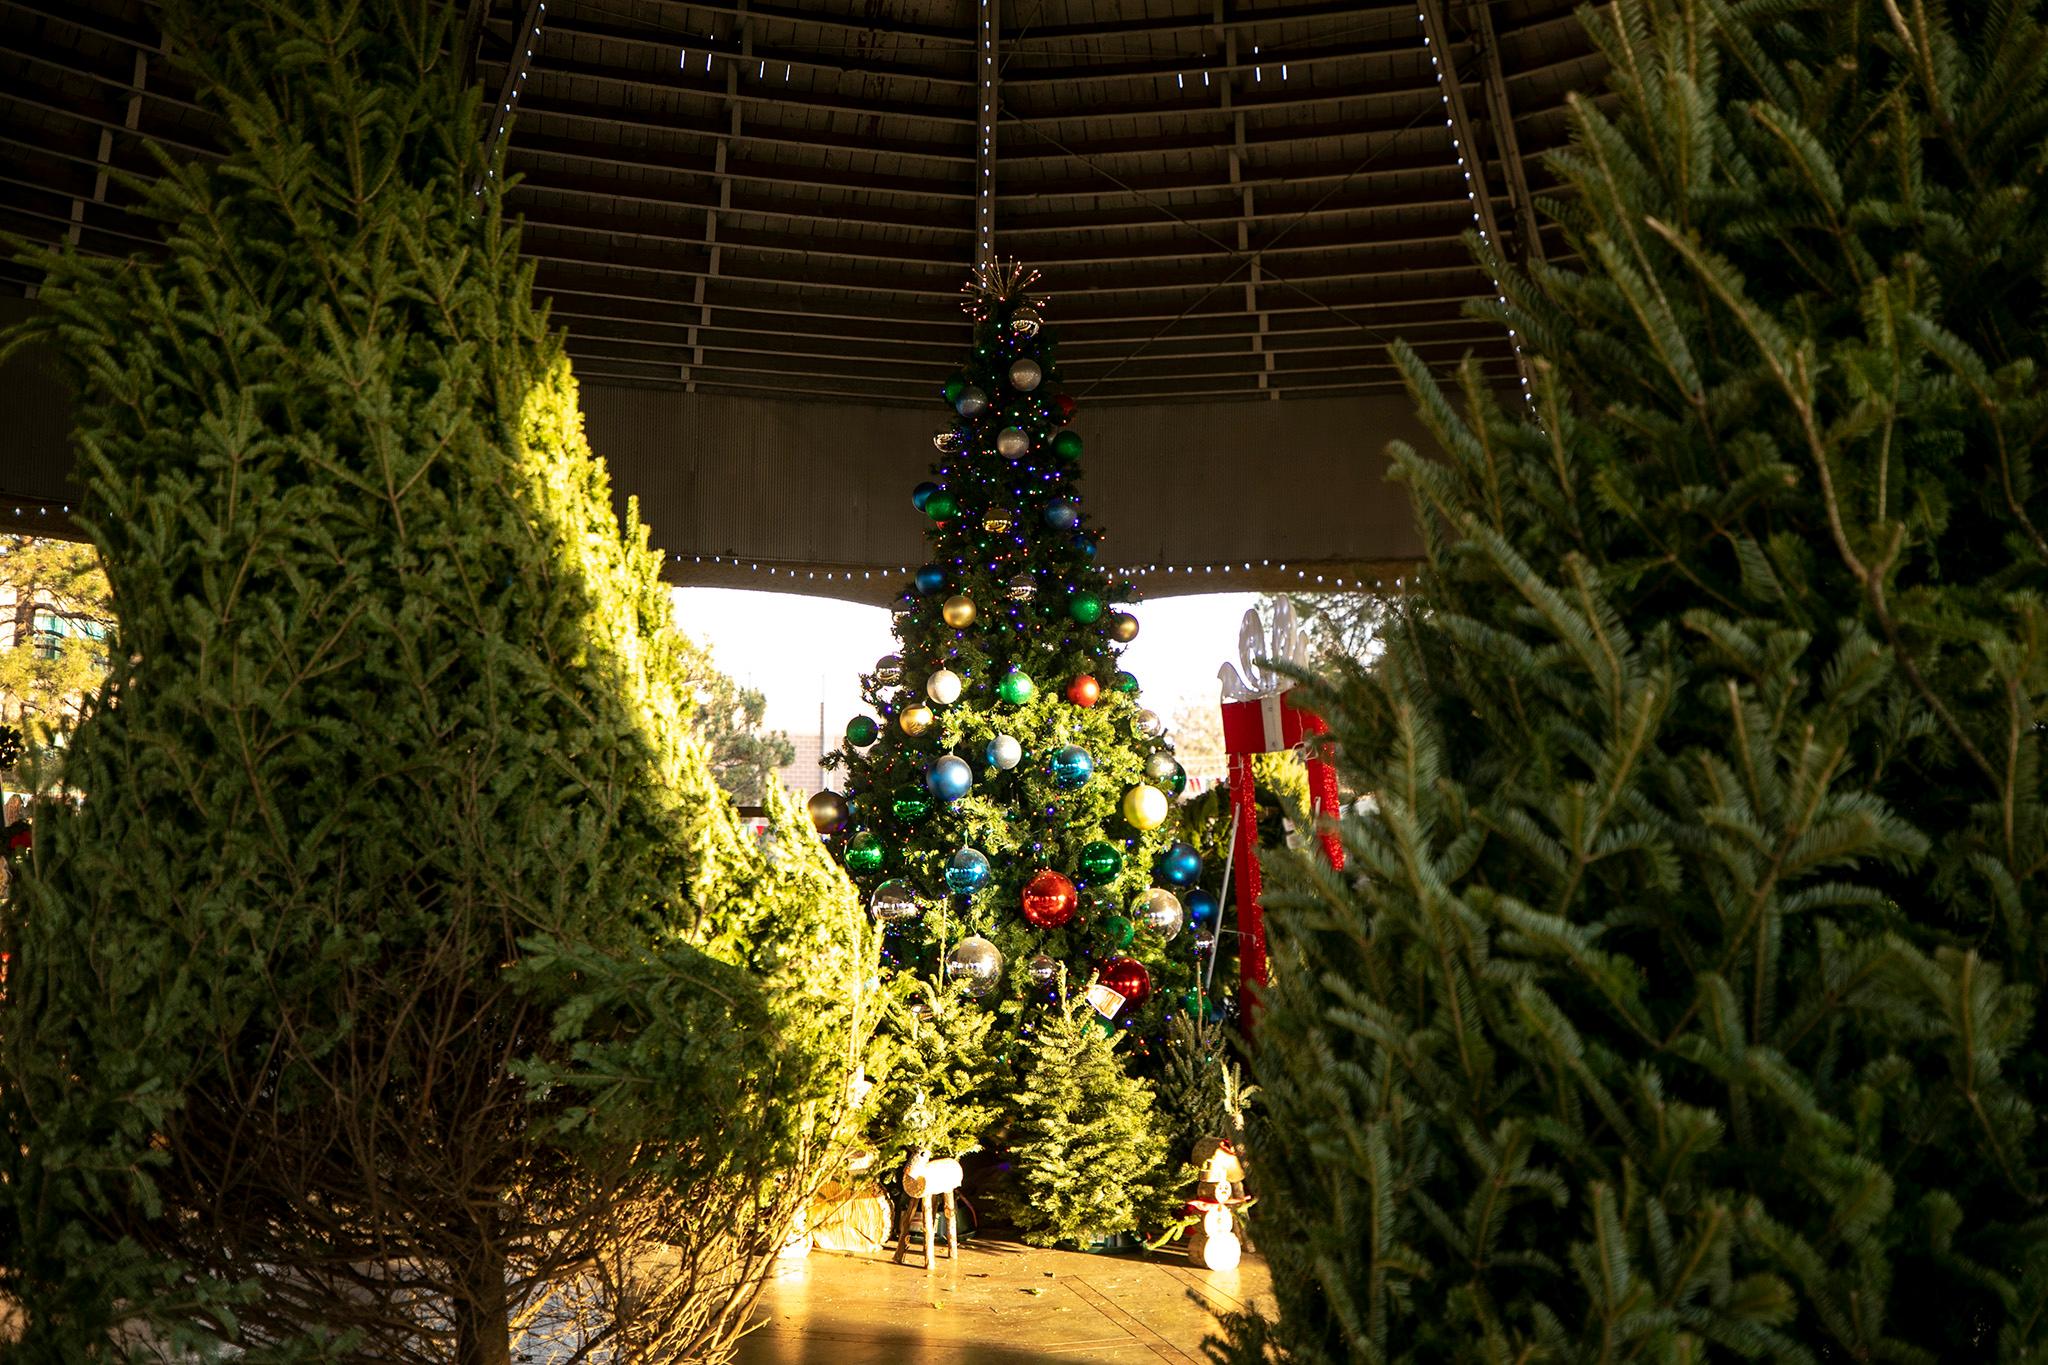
1001	1303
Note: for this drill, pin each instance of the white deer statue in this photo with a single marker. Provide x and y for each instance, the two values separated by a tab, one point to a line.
923	1178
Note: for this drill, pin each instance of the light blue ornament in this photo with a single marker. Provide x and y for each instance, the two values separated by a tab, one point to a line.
1180	865
966	872
1072	766
949	778
1062	515
1004	752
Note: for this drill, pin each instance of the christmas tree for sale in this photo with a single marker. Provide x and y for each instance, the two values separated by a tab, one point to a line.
1009	804
1087	1141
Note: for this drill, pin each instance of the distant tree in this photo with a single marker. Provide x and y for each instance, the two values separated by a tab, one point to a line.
744	756
62	618
1341	625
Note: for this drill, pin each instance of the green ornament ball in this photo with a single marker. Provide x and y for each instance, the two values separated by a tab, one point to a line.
953	388
1084	607
1067	445
1119	930
865	853
862	731
911	805
1191	1000
1101	860
1125	682
1016	687
1176	781
941	505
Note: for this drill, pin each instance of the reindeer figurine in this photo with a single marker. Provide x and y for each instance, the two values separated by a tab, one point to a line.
923	1178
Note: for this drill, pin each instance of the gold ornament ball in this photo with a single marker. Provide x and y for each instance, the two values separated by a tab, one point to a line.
1145	807
959	612
915	720
998	519
1123	627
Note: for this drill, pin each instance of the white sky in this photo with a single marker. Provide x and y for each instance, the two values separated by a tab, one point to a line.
804	650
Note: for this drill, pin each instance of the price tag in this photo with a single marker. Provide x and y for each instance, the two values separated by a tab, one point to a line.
1104	1001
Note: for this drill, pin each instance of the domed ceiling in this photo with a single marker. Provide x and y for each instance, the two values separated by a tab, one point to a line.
1242	200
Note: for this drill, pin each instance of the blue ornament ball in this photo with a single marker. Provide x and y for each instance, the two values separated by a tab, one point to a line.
1200	905
1072	766
966	871
922	494
949	778
1004	752
1084	543
1062	515
1180	865
931	579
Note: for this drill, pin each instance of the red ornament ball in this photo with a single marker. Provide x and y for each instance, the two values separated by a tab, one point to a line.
1050	900
1084	690
1127	977
1064	406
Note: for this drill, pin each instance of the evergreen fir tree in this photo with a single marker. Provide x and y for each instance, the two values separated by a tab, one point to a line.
943	1089
1086	1139
1052	759
1680	999
402	972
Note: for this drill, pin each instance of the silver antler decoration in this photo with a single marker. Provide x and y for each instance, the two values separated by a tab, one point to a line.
1255	649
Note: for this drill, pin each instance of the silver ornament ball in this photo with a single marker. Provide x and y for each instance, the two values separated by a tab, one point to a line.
1044	971
1013	443
949	440
1025	374
976	963
1150	725
1022	588
1162	912
893	901
889	668
972	403
1025	322
1159	767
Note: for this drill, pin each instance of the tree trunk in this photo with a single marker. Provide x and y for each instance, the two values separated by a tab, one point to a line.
482	1334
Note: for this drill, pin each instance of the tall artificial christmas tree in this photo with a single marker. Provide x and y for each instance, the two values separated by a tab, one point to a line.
400	986
1009	805
1681	998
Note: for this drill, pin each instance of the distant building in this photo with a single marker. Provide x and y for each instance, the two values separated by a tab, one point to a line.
805	773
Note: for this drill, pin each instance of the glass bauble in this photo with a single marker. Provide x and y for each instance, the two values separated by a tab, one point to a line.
1025	322
941	506
865	852
954	386
894	900
1101	860
950	440
958	611
1126	683
1004	752
1043	971
1061	514
977	964
1201	906
1086	545
1063	407
930	578
1025	374
1049	899
998	519
1149	724
1072	766
1118	930
967	871
1123	627
1127	977
944	687
1013	443
1161	912
862	731
828	812
1022	588
1067	445
889	668
1179	865
1144	807
1159	767
949	779
1204	944
1084	690
921	496
915	720
1176	781
971	403
1085	608
911	804
1016	687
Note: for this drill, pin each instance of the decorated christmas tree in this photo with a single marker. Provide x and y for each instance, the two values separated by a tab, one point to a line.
1009	805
